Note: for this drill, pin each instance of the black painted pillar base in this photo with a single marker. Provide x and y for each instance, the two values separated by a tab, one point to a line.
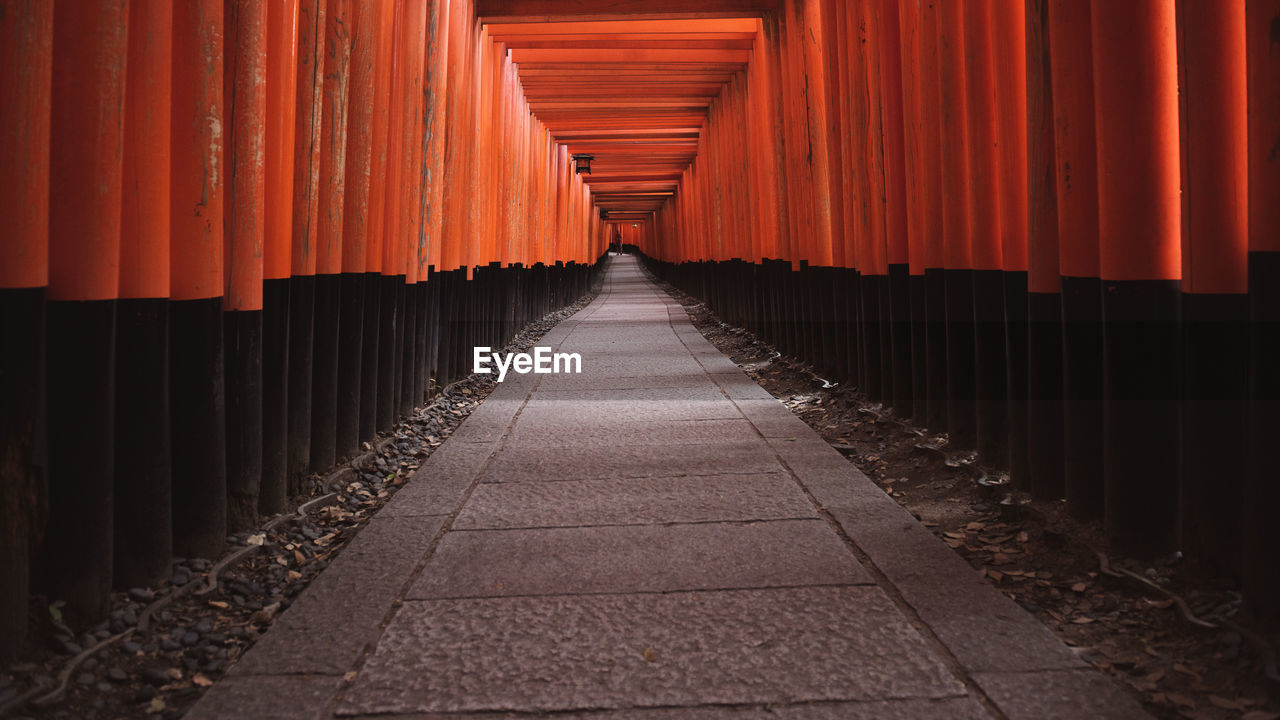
273	489
991	389
76	564
324	381
919	350
388	321
1140	415
1044	396
302	297
198	395
1082	396
243	336
1015	312
1215	409
24	490
351	315
936	348
143	536
1260	571
962	416
368	425
900	340
871	287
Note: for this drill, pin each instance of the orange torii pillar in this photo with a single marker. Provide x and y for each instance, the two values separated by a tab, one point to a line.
376	225
953	99
282	79
245	130
1136	105
991	402
934	216
910	22
1044	289
329	241
437	58
1261	572
306	193
26	69
1010	60
1076	158
1215	300
143	489
87	145
902	389
365	35
197	381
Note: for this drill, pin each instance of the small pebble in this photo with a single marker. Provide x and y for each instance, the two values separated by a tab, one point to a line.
190	638
85	678
143	594
103	687
117	674
204	626
131	646
180	577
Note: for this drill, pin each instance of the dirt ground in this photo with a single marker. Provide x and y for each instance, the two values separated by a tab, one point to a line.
1144	632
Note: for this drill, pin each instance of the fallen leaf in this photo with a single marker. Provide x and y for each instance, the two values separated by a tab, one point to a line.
259	539
1082	620
156	705
173	673
218	604
1226	704
1079	587
1260	715
201	680
1182	701
349	677
299	557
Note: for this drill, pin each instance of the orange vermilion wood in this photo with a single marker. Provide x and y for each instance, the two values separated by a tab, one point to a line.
363	72
282	79
1010	61
1070	45
376	226
87	148
915	172
933	201
245	124
1261	20
1215	133
980	105
409	78
26	76
144	219
1042	196
891	111
197	146
954	137
308	118
333	136
1135	76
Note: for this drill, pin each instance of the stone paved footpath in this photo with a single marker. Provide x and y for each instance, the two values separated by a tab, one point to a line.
656	538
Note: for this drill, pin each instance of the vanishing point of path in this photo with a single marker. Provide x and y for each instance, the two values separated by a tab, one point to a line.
656	538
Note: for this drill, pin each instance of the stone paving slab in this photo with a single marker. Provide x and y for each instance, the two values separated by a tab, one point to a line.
648	432
439	484
268	697
612	412
330	623
626	459
944	709
620	651
634	501
1059	695
637	558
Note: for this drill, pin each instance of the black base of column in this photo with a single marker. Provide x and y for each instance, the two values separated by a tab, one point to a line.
324	381
350	366
1082	395
198	392
76	563
919	350
962	417
1260	571
369	360
1215	344
273	489
302	299
388	321
900	339
1044	396
1140	415
1015	311
991	387
935	287
24	492
243	334
871	290
143	545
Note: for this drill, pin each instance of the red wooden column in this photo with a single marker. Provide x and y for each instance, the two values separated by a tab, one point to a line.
1262	492
991	402
365	35
895	203
376	227
956	228
935	219
915	175
331	194
1044	297
1010	62
282	80
1070	45
197	380
306	195
26	76
1136	85
246	66
1215	281
143	522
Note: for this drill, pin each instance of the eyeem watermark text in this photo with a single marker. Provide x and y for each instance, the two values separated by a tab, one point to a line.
541	362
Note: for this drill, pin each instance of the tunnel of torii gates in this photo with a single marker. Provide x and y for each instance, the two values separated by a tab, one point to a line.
242	236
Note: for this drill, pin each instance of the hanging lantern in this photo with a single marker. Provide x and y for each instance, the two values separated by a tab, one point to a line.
582	163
